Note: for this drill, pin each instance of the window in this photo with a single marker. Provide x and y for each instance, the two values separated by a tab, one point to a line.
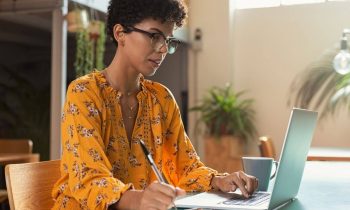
291	2
244	4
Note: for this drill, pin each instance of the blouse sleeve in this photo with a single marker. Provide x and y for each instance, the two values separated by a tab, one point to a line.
84	159
190	173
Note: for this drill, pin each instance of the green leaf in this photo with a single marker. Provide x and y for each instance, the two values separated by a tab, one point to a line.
224	113
317	87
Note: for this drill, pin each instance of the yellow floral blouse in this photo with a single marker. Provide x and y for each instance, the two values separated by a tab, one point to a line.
99	163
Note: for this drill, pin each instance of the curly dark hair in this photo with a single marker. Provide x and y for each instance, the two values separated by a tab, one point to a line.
131	12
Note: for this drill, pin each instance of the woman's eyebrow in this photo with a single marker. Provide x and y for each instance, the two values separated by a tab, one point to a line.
156	29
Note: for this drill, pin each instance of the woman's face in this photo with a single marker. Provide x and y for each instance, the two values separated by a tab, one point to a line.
140	51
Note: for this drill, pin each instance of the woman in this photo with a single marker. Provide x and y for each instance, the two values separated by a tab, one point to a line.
107	113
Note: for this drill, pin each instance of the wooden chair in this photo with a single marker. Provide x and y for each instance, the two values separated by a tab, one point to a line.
266	147
3	199
29	185
13	146
16	146
3	195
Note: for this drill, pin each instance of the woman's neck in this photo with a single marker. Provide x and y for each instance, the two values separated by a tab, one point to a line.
122	77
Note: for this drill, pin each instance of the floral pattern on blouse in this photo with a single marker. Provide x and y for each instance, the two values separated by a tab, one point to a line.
99	163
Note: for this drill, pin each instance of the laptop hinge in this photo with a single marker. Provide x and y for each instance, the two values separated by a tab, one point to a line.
283	204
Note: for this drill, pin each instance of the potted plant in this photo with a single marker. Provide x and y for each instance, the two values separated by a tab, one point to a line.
229	123
320	87
90	41
90	47
77	19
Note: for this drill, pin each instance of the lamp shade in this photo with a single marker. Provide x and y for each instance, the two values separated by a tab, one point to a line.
341	61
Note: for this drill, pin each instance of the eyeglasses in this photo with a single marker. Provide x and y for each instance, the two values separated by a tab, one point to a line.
158	40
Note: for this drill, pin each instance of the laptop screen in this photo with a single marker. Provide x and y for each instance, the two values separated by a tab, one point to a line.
296	145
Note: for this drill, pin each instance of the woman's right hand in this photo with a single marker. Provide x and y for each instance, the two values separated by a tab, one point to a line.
159	196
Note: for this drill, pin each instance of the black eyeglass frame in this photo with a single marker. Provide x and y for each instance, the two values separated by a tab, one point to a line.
170	48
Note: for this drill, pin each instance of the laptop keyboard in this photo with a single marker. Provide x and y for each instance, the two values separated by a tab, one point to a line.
255	199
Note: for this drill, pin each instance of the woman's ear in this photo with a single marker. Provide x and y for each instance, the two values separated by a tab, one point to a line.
119	35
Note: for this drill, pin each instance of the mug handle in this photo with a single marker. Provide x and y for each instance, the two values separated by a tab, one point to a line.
276	165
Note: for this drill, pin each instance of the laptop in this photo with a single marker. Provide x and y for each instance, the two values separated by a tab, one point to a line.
301	126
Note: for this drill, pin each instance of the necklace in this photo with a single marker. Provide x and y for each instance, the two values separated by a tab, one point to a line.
130	108
131	112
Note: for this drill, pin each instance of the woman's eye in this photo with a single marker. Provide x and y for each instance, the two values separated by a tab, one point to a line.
157	37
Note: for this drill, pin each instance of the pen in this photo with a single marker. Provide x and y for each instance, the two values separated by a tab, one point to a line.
151	162
154	167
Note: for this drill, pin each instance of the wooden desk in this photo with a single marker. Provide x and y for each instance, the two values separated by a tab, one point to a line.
7	158
329	154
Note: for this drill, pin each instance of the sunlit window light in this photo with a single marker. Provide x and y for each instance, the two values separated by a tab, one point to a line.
291	2
246	4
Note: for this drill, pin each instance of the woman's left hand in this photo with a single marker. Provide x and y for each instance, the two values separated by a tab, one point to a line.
246	183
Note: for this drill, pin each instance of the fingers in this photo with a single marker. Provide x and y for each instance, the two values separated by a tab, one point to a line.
246	183
163	193
241	184
165	189
223	183
160	196
180	192
256	183
250	181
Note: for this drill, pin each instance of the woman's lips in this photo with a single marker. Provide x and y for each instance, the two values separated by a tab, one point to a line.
155	63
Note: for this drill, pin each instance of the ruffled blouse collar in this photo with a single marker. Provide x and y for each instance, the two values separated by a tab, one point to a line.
118	93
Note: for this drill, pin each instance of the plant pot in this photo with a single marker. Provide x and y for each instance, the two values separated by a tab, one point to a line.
77	20
94	28
224	153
